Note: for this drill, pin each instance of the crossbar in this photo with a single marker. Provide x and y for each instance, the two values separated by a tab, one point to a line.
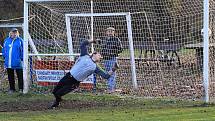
96	14
9	25
49	0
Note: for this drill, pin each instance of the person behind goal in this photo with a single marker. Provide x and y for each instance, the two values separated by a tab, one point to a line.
111	48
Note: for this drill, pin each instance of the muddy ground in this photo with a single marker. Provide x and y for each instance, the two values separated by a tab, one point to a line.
41	105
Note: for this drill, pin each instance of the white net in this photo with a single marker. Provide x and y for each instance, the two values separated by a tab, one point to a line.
211	49
166	37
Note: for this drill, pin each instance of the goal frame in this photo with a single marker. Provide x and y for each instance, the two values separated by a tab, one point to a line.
205	46
130	38
26	38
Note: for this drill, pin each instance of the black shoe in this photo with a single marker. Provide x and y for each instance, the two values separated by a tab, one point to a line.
59	99
54	105
11	92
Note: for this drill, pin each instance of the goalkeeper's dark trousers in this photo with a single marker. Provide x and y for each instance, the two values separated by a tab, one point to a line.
65	85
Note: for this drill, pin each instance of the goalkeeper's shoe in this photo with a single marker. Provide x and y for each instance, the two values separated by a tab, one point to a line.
54	105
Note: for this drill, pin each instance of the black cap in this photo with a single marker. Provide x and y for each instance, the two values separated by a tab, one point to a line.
14	30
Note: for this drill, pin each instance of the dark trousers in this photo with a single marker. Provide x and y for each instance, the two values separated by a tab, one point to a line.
19	73
65	85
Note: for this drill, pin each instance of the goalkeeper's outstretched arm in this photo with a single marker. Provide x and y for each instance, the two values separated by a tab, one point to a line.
105	74
83	46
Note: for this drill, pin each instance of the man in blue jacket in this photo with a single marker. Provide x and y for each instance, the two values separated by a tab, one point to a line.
12	52
84	66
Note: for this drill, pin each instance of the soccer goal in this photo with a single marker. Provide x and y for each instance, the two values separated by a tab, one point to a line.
56	36
96	19
164	52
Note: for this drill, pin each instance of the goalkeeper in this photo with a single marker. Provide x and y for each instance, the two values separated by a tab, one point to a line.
84	66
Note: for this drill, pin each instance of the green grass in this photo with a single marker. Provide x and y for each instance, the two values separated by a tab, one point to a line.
125	109
115	114
110	114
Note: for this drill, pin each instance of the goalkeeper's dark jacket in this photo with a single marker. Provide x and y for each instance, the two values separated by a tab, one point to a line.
111	47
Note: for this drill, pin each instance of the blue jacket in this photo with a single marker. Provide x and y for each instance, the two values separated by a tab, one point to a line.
85	66
12	52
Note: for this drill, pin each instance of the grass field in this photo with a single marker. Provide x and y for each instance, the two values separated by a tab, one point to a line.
90	107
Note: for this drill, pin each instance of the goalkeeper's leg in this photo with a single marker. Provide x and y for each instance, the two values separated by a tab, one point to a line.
65	85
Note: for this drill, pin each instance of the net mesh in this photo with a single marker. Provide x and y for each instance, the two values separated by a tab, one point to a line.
166	36
211	48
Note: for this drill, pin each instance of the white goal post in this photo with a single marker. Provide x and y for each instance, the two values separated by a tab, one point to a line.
206	50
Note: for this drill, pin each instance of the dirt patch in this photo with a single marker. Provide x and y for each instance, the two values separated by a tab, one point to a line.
42	105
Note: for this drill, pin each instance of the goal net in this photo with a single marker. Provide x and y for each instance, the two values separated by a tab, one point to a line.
166	38
55	37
